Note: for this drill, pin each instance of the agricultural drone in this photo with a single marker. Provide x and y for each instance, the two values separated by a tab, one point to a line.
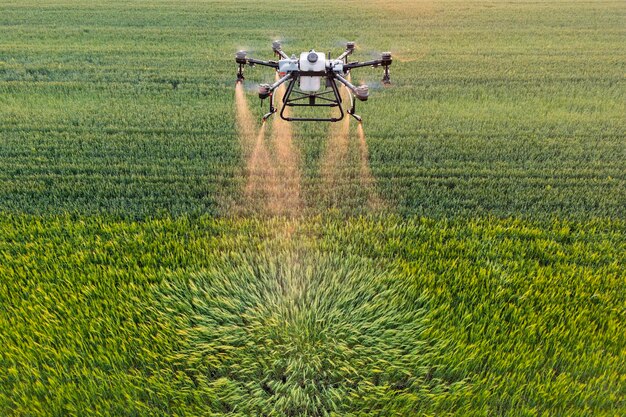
305	74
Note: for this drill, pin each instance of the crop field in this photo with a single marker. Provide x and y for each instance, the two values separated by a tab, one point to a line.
460	253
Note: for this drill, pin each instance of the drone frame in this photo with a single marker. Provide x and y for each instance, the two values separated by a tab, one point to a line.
333	73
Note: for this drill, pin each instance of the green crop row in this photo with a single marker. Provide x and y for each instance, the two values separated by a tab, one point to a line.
371	316
497	108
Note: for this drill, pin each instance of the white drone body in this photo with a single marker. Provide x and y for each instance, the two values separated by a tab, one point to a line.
307	73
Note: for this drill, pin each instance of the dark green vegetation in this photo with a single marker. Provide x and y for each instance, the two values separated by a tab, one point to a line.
496	288
127	108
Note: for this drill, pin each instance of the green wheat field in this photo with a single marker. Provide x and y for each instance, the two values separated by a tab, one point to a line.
462	253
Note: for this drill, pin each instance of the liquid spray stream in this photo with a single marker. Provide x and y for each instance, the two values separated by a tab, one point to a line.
262	187
334	159
273	176
245	120
287	160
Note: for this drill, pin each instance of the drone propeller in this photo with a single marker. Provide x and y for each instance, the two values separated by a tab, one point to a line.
281	38
400	53
373	85
250	50
342	44
279	42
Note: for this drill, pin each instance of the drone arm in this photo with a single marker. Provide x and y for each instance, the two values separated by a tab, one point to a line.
266	89
357	64
345	82
281	81
253	61
349	49
278	50
282	54
345	54
361	92
241	59
384	61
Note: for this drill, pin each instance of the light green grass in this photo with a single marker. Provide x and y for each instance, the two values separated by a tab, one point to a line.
315	317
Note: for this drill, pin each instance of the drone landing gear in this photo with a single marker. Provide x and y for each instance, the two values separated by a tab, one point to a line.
356	116
327	98
272	109
330	97
352	109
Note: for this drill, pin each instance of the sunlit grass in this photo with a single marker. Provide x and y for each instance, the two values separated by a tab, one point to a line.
309	317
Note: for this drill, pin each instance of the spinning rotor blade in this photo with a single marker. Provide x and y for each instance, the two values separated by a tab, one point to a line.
284	43
250	50
374	85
